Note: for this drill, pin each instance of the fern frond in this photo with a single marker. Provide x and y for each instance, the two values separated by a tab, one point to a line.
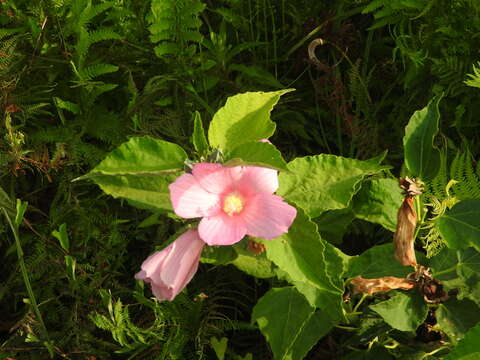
175	26
462	170
475	77
89	12
439	182
93	71
88	38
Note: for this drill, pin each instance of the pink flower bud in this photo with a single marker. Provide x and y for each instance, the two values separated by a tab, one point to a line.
171	269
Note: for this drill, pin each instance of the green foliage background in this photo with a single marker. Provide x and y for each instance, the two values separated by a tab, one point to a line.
80	77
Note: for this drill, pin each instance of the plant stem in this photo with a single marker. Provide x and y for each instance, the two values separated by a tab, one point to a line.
24	272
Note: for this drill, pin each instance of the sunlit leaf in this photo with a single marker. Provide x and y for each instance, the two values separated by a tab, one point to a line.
403	311
325	182
460	226
289	323
422	158
245	117
311	264
257	154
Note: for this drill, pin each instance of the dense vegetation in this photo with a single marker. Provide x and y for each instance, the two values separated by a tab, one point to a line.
78	78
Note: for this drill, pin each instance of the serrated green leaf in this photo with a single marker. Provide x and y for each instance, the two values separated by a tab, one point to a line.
198	138
458	270
143	191
302	254
460	226
141	156
140	171
468	270
456	317
257	154
378	201
403	311
376	262
257	266
325	182
245	117
467	348
289	323
422	158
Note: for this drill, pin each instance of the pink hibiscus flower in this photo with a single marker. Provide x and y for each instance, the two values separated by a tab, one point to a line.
233	202
171	269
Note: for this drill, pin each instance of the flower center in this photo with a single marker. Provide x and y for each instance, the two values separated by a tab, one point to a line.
233	203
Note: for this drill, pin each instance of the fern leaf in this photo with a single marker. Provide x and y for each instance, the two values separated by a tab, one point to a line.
475	77
87	39
66	105
175	26
90	12
93	71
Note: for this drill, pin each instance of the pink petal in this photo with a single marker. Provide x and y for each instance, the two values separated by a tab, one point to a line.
212	177
267	216
169	271
182	261
152	263
221	229
163	293
190	200
257	180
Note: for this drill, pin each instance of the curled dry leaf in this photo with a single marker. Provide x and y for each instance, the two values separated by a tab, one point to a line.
386	283
406	223
430	288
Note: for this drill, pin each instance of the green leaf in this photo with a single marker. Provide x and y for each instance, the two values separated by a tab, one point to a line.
458	270
333	224
219	346
140	171
257	266
21	208
218	255
422	158
376	262
256	153
70	263
141	156
467	348
468	270
143	191
325	182
378	202
456	317
312	264
66	105
289	323
404	312
245	117
198	138
460	226
62	236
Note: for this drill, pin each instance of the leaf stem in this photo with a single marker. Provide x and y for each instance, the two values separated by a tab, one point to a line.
24	272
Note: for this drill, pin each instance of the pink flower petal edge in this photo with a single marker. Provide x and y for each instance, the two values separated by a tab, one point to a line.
268	216
171	269
190	200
